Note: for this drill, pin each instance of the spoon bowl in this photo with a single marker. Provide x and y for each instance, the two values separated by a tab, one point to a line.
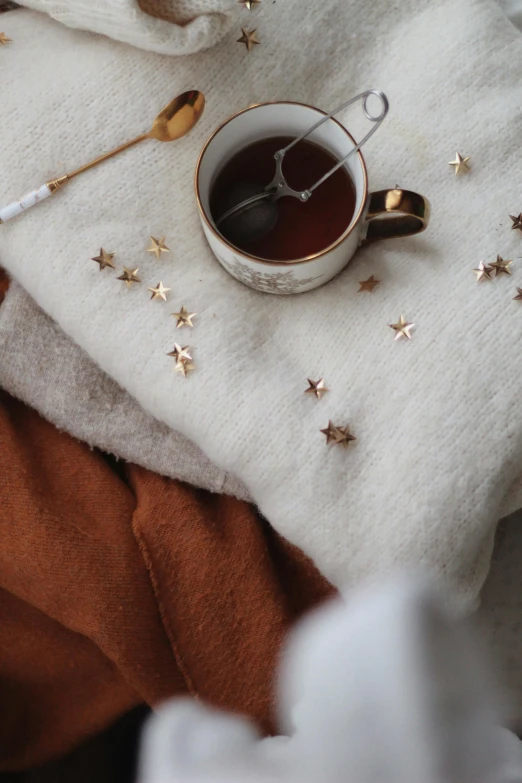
178	117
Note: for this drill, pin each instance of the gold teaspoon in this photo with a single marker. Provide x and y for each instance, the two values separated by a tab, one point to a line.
173	122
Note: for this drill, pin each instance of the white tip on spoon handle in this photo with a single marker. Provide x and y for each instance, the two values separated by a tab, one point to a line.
29	200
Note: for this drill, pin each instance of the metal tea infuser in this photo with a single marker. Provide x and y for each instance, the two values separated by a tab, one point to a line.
251	210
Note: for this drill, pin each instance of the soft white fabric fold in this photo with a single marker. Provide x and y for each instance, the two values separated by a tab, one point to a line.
437	419
187	26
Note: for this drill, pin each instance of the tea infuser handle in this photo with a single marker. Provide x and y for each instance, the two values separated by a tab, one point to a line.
30	199
396	213
376	119
279	183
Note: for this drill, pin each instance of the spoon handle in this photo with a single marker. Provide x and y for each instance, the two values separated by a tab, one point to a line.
31	199
109	155
44	191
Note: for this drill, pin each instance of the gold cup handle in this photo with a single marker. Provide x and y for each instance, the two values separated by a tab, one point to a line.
396	213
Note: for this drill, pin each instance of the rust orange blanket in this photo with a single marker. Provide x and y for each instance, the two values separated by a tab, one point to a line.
119	587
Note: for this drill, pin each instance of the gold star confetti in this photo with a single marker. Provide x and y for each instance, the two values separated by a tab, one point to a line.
130	276
368	285
184	318
183	359
517	222
518	297
318	388
249	3
339	436
346	436
483	272
461	164
501	267
180	354
184	368
402	328
248	38
104	259
333	433
158	247
160	292
4	39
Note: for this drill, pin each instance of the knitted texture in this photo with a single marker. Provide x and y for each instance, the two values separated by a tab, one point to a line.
43	367
165	26
439	431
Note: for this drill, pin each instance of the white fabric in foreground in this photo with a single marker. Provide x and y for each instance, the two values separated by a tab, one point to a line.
437	420
384	689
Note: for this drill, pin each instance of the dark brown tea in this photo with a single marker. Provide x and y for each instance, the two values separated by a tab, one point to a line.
302	229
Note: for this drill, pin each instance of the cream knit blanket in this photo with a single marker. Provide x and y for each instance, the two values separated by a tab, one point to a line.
438	428
42	366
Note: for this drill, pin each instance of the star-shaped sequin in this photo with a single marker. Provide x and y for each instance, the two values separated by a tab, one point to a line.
130	276
402	328
158	247
346	437
4	39
183	359
317	388
248	38
368	285
518	297
461	164
104	259
483	272
160	292
501	267
184	368
184	318
517	222
249	3
338	436
180	354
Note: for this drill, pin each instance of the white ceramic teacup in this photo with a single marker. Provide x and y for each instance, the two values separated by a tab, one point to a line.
380	215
